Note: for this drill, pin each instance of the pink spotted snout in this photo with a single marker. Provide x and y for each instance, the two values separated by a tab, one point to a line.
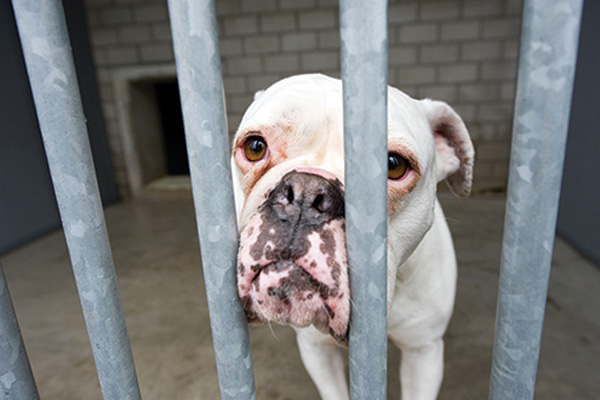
292	265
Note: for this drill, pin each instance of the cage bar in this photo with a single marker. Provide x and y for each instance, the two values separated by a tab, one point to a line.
16	378
194	27
549	42
364	52
47	51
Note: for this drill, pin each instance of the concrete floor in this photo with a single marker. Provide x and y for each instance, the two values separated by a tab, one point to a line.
158	265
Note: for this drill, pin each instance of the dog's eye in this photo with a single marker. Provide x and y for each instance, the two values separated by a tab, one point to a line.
255	148
397	166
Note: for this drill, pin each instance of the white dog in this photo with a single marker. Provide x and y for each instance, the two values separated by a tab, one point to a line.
288	163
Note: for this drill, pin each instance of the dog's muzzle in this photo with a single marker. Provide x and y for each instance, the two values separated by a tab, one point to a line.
292	265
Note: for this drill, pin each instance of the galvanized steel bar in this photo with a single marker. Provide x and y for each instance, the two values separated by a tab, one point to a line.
16	378
364	74
49	62
545	83
194	27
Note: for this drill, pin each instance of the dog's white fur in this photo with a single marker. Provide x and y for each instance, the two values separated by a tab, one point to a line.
305	113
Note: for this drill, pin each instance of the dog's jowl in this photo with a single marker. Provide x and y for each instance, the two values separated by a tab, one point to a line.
288	164
292	259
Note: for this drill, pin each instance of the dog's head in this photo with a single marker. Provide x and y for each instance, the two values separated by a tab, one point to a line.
288	165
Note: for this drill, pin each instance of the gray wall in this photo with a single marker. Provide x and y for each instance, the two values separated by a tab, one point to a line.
579	211
27	204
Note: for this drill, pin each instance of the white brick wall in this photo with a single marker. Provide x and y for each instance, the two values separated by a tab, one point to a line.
461	51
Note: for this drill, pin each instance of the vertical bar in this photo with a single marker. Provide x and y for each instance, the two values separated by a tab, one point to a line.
16	378
364	75
545	84
49	62
194	27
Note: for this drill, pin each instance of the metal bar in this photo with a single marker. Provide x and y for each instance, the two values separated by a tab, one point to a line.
363	28
49	62
194	27
545	83
16	378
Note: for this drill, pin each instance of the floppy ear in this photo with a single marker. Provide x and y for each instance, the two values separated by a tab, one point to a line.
454	150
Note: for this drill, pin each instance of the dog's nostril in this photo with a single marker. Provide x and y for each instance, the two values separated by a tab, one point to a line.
318	203
309	195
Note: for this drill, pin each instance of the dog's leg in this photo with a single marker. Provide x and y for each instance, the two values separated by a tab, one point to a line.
324	363
421	371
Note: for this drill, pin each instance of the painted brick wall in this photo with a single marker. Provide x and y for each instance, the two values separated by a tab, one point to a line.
460	51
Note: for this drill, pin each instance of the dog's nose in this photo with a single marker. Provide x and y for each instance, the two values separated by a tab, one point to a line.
307	198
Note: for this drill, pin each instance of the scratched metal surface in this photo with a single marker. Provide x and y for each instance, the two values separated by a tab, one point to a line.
202	98
545	83
16	378
364	74
49	62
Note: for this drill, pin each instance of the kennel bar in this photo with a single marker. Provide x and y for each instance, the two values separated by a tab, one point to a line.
364	56
549	41
194	27
47	51
16	378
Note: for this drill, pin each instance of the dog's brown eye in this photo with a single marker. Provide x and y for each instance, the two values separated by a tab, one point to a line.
255	148
397	166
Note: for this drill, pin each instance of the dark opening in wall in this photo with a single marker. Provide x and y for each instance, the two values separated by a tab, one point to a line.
171	120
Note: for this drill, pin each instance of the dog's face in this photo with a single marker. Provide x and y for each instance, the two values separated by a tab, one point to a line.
288	163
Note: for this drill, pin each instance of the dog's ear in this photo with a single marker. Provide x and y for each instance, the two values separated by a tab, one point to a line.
453	146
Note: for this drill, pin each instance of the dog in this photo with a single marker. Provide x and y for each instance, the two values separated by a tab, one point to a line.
288	173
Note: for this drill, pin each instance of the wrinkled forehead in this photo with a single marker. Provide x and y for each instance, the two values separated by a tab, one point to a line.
310	102
302	101
407	123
